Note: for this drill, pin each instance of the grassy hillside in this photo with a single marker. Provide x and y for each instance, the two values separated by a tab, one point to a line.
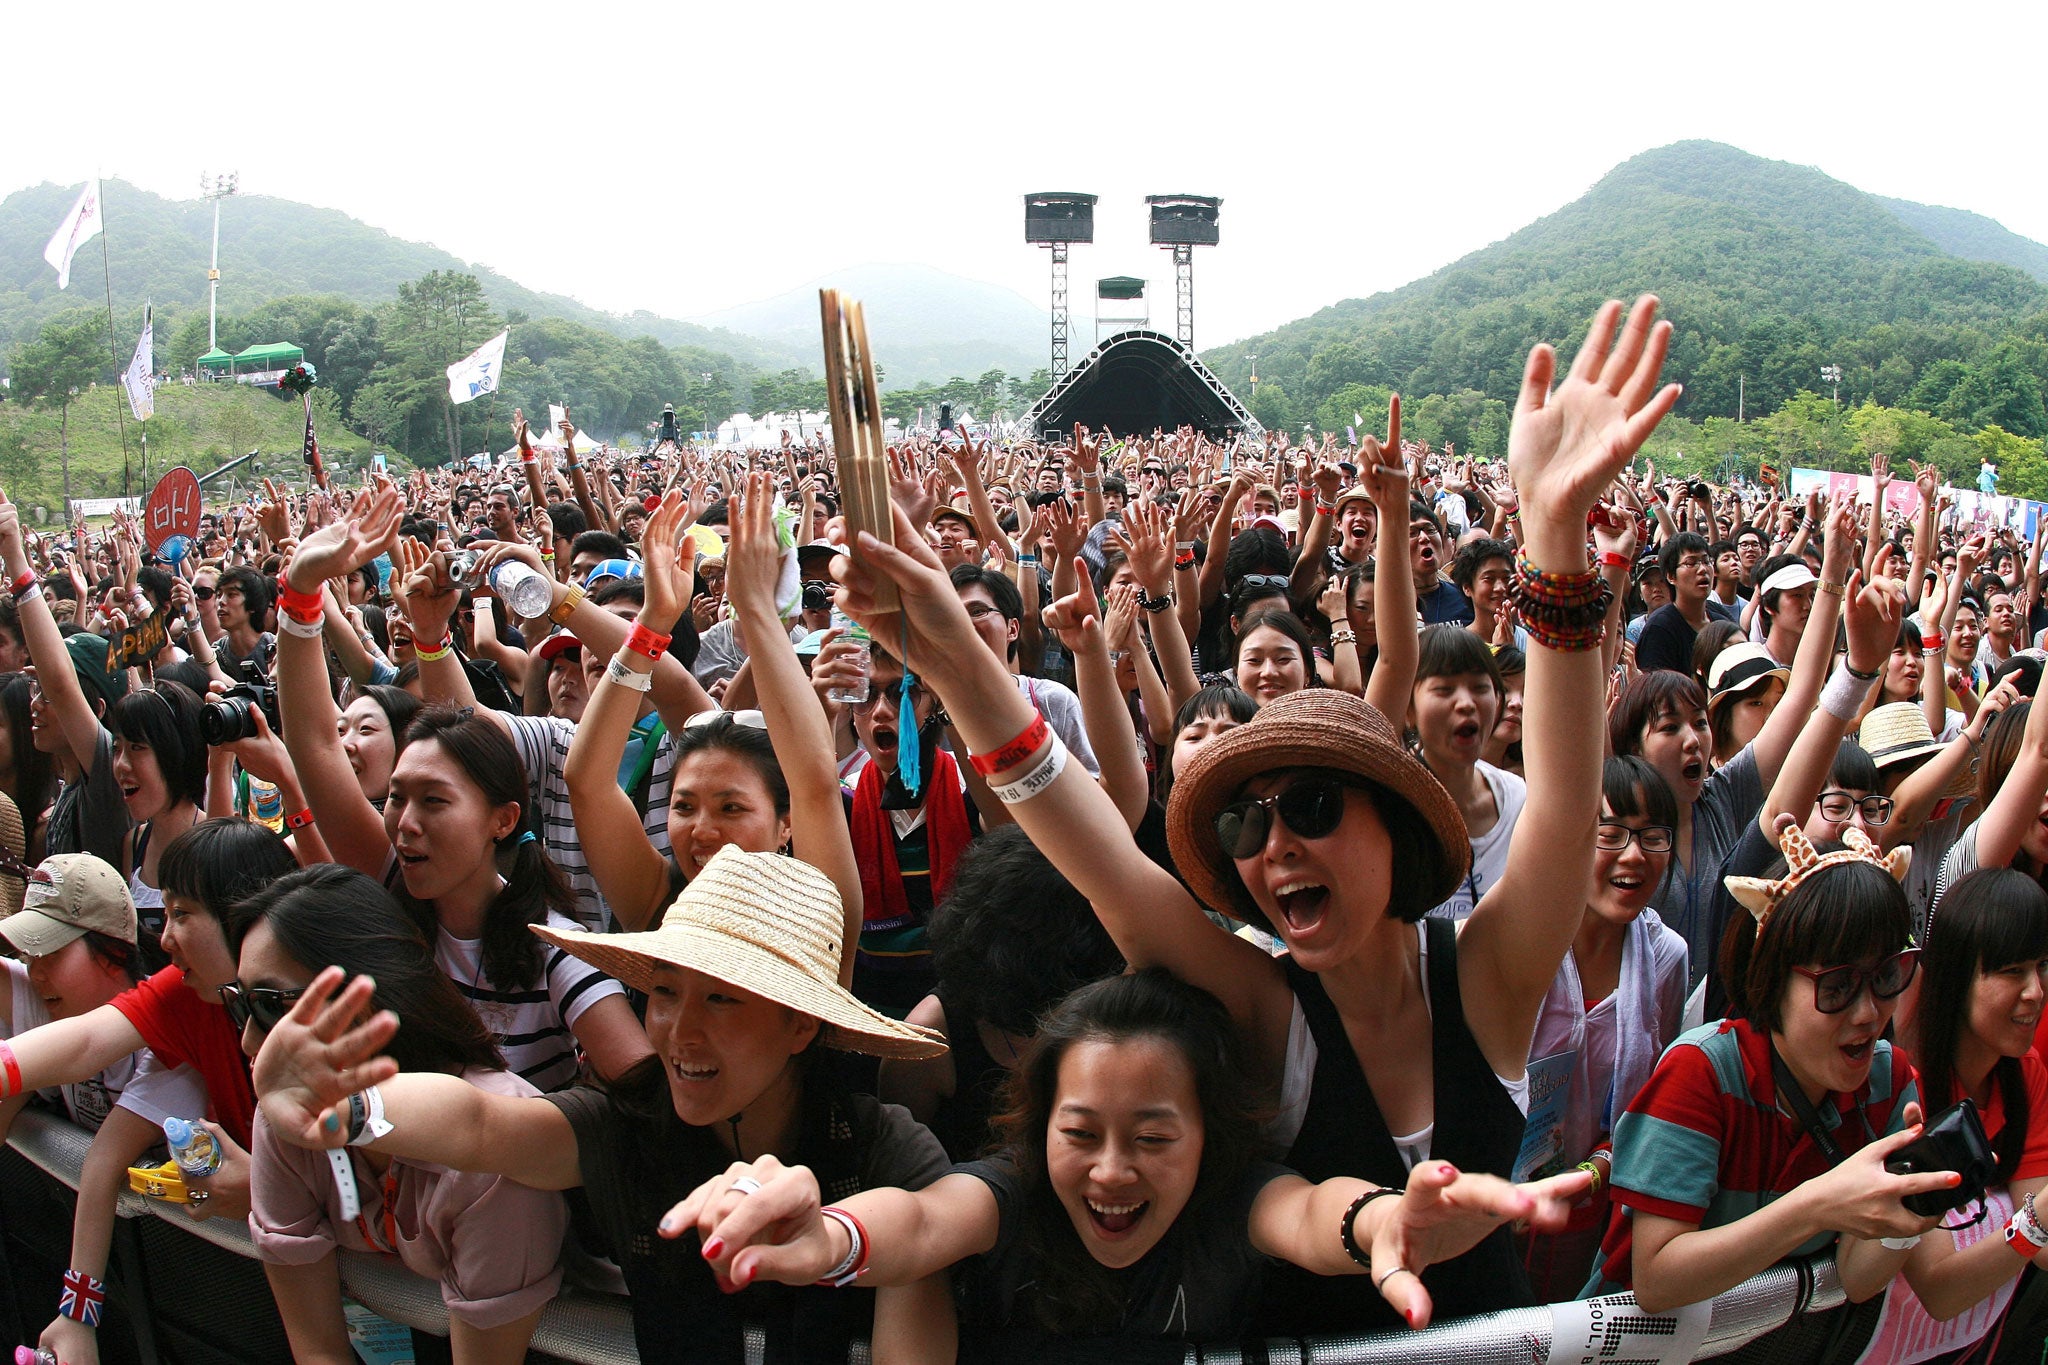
199	427
1972	236
1767	270
270	248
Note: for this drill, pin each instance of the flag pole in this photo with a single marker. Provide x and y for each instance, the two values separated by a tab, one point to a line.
113	343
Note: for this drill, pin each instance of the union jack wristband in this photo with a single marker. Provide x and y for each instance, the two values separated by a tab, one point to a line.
82	1298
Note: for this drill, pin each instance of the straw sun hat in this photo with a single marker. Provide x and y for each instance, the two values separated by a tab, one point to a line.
1897	732
1318	727
13	889
767	924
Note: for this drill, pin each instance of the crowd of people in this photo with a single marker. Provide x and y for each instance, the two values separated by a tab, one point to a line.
1156	891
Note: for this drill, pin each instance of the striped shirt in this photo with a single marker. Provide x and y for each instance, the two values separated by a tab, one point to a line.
1705	1143
543	745
532	1027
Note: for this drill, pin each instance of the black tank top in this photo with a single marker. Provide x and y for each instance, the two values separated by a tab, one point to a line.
961	1122
1478	1128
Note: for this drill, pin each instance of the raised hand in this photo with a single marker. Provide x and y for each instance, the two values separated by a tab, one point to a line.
1142	537
272	518
1566	447
318	1055
1069	528
1382	469
1444	1213
753	554
1074	618
341	547
1871	614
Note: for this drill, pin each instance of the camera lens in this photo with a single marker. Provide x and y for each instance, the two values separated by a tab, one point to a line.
227	719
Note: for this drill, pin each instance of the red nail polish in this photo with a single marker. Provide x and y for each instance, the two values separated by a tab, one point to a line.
713	1247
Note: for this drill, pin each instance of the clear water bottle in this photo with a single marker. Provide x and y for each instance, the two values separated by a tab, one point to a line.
193	1149
853	693
525	592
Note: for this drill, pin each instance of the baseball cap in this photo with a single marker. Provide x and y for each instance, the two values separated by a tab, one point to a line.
557	644
611	568
69	895
89	661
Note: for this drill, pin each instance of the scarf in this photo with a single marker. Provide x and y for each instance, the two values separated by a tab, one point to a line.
883	902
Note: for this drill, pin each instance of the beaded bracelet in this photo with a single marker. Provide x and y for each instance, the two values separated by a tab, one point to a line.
1015	751
1357	1253
641	640
82	1298
1150	603
1569	589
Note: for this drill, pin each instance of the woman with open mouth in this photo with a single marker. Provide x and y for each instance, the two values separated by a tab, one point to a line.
1124	1206
1973	1028
737	1072
1388	1044
1764	1135
160	765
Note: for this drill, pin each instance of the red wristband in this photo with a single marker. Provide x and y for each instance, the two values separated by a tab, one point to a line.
1324	509
13	1071
304	607
1613	559
1016	751
641	640
23	583
299	821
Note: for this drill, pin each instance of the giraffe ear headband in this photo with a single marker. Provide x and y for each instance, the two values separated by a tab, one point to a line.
1762	897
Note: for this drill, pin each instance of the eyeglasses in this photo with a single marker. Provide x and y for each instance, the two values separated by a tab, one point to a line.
981	611
1836	988
266	1005
1839	805
1650	838
1313	808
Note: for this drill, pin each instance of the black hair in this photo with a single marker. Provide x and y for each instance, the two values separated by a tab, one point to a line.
132	960
1448	651
568	520
329	915
1853	768
1418	510
188	673
398	705
1633	789
749	743
1848	912
1767	604
1217	699
1989	919
258	592
1286	623
35	772
1072	1293
1715	636
1259	549
1677	548
165	720
1648	698
1465	567
603	544
218	863
1001	591
1012	936
155	584
512	958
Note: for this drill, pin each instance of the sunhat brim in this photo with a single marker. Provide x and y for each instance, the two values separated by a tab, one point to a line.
1318	727
849	1025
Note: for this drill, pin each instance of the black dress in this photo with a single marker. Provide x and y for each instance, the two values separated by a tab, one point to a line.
1478	1128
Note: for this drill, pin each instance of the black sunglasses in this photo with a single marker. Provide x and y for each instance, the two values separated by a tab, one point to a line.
203	593
1313	808
267	1005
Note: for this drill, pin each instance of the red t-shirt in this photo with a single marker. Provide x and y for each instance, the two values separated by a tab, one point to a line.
180	1027
2034	1156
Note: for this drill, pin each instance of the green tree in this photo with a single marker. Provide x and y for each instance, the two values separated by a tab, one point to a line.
435	321
66	355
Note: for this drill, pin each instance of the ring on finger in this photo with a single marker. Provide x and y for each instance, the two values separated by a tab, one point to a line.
1381	1282
745	1184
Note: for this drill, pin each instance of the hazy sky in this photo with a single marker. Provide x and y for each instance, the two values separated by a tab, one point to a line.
703	155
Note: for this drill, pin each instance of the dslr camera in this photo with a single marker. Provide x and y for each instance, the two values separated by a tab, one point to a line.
231	715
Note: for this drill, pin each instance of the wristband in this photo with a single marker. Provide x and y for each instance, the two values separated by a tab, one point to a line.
300	606
1357	1253
32	593
1592	1168
1613	559
1183	547
23	583
641	640
855	1262
1932	642
1343	637
299	821
440	651
1091	480
82	1298
1042	775
528	457
1844	694
547	554
1019	748
1822	585
12	1070
1858	674
626	676
1324	509
366	1121
303	629
1899	1243
564	609
2024	1233
1028	559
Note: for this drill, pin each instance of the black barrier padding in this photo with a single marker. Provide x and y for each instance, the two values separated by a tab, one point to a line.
1838	1335
35	1220
210	1305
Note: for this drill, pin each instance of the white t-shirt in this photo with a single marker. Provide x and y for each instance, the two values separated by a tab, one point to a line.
1489	850
138	1082
532	1026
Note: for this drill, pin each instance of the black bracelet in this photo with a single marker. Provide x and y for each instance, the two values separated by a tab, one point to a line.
1850	669
1154	604
1351	1247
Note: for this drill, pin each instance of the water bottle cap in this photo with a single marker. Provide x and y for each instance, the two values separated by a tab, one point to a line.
177	1131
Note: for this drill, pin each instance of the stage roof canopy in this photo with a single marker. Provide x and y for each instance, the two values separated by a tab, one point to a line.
1138	380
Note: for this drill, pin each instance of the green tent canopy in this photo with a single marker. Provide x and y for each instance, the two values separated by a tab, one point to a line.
275	355
215	359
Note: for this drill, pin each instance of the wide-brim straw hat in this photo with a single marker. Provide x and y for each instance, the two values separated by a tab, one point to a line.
1318	727
13	890
1897	732
766	924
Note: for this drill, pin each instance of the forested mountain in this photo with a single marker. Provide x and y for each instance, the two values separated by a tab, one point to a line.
925	324
1769	272
271	248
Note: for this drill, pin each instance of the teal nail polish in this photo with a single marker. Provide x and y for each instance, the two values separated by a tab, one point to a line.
332	1123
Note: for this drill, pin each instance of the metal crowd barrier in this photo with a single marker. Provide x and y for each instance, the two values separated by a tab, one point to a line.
591	1328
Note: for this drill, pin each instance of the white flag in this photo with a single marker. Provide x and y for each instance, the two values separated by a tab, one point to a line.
477	373
140	377
80	226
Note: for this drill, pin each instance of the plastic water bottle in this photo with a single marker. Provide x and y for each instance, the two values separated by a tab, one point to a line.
266	803
29	1355
517	586
192	1148
854	693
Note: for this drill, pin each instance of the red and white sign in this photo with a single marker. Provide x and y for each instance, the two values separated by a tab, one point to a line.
172	509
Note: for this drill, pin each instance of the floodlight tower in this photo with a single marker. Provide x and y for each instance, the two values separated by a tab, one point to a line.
1057	221
216	188
1184	222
